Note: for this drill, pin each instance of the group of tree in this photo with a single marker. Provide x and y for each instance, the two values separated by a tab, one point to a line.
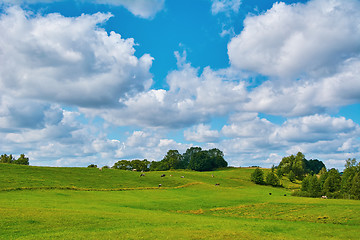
22	160
297	167
139	165
270	179
333	184
194	158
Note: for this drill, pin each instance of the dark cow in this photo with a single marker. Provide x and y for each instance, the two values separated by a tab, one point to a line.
162	175
217	184
142	175
159	185
269	193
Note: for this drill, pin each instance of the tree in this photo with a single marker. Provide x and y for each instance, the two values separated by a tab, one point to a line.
22	160
172	159
257	176
332	182
187	156
314	186
355	188
272	179
92	166
305	184
122	165
314	166
292	176
217	158
200	161
7	159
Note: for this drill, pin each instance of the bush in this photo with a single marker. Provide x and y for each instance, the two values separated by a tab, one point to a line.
272	179
257	176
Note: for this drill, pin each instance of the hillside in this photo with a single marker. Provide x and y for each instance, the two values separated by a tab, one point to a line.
40	203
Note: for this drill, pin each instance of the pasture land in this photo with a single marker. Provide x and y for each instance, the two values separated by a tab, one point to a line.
82	203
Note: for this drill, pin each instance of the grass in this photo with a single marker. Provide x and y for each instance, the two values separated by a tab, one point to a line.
183	208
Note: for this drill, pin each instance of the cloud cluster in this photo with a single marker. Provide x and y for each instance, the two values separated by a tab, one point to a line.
140	8
71	73
252	138
225	6
291	40
68	60
192	98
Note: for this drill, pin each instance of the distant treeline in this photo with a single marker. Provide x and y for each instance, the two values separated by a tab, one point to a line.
316	180
194	158
22	160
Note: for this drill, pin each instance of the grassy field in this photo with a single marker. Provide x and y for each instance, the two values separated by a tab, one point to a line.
82	203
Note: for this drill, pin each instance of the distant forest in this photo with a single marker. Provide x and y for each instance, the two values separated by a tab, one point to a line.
22	160
316	180
194	158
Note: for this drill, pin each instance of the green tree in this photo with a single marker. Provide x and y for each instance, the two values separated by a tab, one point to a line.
347	178
22	160
313	166
92	166
355	187
292	176
272	179
257	176
201	161
172	159
217	158
332	183
187	156
7	159
314	186
305	184
122	165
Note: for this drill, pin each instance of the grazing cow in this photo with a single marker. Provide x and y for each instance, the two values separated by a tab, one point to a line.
100	169
212	175
162	175
284	195
182	176
142	175
324	197
134	170
217	184
159	185
269	193
170	175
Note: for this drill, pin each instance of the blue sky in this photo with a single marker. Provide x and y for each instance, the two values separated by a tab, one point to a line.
98	81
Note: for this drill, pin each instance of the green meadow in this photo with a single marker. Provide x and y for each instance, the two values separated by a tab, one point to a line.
85	203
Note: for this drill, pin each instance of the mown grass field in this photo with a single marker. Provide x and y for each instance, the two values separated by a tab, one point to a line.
82	203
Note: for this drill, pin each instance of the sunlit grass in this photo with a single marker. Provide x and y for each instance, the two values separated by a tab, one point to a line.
185	208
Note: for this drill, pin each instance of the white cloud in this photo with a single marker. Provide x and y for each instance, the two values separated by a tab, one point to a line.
290	40
308	96
225	6
191	99
68	60
141	8
202	133
251	139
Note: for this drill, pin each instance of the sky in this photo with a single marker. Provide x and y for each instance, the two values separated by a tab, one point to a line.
98	81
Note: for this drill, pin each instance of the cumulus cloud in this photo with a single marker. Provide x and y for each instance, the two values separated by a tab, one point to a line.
140	8
251	138
291	40
225	6
202	133
68	60
308	96
191	99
